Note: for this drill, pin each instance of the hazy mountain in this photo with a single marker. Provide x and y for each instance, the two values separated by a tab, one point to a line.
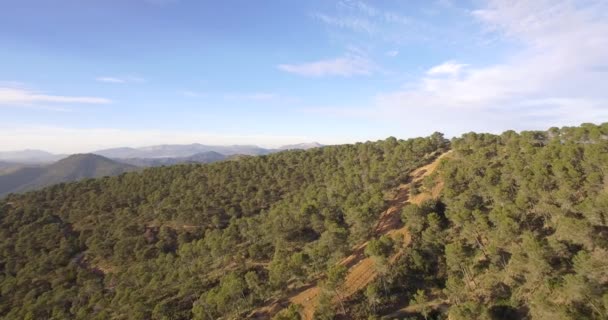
32	156
178	151
203	157
6	166
118	153
29	156
303	146
72	168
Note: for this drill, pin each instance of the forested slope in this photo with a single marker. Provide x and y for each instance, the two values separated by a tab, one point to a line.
195	241
515	228
518	233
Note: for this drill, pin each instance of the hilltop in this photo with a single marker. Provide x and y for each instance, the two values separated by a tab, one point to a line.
72	168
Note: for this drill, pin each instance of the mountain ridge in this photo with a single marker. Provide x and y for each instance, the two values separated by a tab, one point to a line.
71	168
201	157
35	156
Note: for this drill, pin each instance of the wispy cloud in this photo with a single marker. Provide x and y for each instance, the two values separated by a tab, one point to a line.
10	96
447	68
392	53
127	79
352	23
110	80
359	16
344	66
370	11
379	25
549	81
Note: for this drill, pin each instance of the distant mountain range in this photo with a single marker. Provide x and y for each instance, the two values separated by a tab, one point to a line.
29	156
178	151
27	170
203	157
6	166
72	168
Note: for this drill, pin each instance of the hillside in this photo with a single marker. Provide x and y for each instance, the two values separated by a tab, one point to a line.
301	146
360	269
508	226
6	166
72	168
203	157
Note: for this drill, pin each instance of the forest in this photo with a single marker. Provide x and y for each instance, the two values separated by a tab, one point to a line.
516	230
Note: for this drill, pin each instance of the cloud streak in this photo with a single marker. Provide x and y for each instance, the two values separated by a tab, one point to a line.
392	53
344	66
120	80
18	96
110	80
447	68
380	25
352	23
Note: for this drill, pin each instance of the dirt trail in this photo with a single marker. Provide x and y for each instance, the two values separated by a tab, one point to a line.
361	270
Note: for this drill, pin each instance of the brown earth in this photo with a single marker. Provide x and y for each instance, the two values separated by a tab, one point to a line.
361	269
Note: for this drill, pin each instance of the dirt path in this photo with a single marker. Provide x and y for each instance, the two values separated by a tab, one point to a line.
361	270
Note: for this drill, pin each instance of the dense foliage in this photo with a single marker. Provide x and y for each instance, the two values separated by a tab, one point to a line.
195	241
73	168
520	232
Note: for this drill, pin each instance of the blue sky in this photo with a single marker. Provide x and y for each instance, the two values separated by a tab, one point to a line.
77	76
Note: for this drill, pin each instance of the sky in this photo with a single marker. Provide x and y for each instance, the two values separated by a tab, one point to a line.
77	76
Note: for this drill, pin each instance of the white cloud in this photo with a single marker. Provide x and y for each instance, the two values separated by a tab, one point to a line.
72	140
549	77
392	53
352	23
127	79
549	81
12	96
373	12
343	66
110	80
360	6
360	17
447	68
380	25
